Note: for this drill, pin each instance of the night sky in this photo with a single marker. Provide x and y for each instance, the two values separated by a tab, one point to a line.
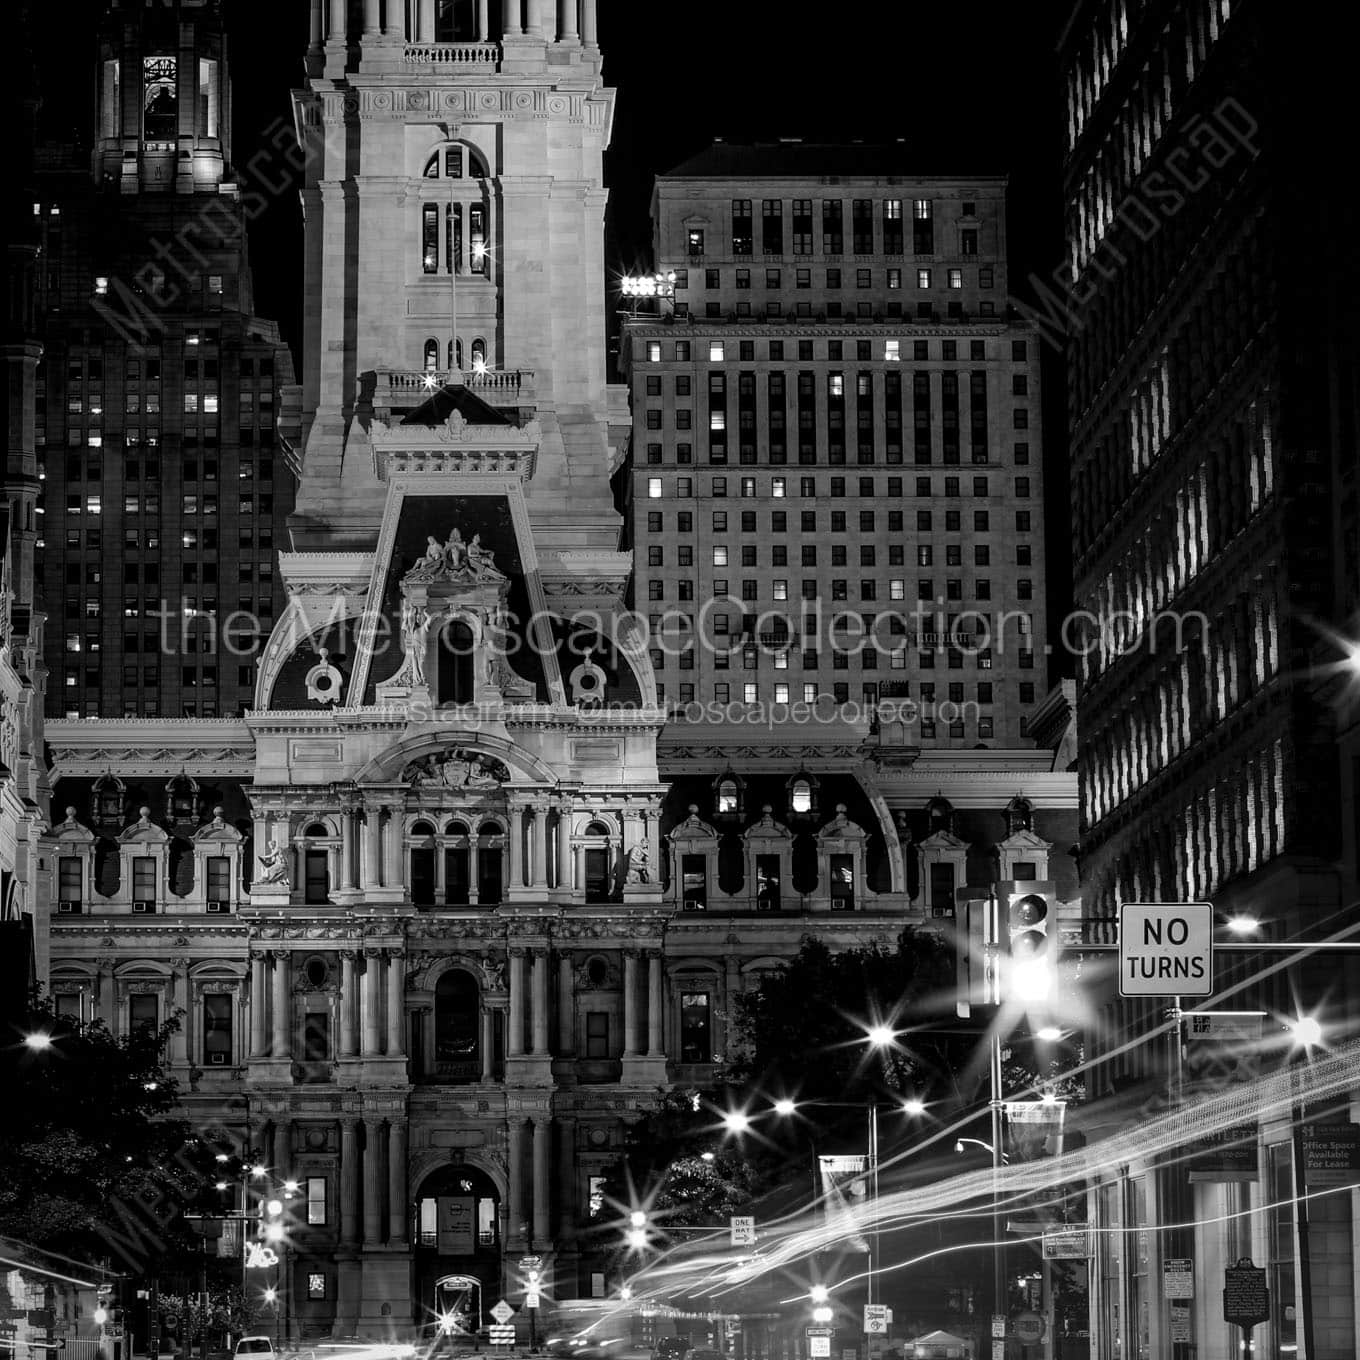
972	88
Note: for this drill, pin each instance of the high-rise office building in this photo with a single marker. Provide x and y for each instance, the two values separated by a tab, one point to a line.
837	482
1215	481
165	493
836	505
1212	358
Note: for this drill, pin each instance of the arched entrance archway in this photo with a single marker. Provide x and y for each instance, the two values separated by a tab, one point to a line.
457	1237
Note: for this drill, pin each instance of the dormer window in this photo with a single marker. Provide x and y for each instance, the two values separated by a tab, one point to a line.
727	795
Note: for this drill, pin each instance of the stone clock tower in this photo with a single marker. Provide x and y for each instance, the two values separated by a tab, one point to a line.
454	209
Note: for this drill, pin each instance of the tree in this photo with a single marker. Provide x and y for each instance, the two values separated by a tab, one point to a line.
93	1162
803	1029
204	1318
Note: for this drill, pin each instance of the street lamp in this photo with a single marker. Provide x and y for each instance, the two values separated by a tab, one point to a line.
39	1041
1307	1032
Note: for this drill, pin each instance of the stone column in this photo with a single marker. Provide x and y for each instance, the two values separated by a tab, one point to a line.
514	844
510	12
368	848
654	1004
370	18
566	1017
394	20
179	999
539	1002
589	32
396	1003
535	26
540	875
426	20
542	1204
347	848
566	21
349	984
373	1145
349	1182
258	1005
316	22
483	20
514	1175
369	1001
396	1183
516	1035
393	870
337	32
629	1001
578	879
281	1154
563	850
488	1042
280	1045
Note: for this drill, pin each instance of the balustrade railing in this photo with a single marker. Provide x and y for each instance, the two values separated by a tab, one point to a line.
452	54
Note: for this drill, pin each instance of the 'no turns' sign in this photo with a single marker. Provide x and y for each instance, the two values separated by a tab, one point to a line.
1166	948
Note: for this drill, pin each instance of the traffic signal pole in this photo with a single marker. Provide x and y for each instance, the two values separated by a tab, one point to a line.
999	1308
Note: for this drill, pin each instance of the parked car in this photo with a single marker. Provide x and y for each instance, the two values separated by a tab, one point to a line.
255	1346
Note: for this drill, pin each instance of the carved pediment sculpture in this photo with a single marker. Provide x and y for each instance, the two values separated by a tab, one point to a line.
455	769
455	560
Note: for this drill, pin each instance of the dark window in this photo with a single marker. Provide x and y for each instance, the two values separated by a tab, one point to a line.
767	882
422	875
842	883
219	878
144	879
696	1030
143	1011
598	883
456	877
694	882
217	1029
488	874
70	885
316	1037
316	876
457	1027
597	1034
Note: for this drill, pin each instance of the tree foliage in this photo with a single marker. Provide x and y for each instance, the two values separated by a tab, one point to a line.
803	1029
93	1161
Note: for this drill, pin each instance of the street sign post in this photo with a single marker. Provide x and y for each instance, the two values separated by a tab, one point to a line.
743	1230
1246	1300
1029	1328
876	1319
1166	948
1067	1244
502	1312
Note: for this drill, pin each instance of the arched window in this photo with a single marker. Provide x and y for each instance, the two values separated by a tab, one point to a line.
729	796
490	853
457	877
316	871
479	355
457	1027
422	864
460	244
800	796
455	664
431	355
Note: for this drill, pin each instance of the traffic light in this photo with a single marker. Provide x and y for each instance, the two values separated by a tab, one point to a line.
1029	975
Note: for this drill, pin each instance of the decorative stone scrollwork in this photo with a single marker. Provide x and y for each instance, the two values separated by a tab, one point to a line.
323	681
455	769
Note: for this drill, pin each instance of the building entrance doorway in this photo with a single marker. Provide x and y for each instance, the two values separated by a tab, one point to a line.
458	1248
457	1304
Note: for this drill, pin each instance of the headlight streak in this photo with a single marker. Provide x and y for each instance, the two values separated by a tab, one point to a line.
687	1268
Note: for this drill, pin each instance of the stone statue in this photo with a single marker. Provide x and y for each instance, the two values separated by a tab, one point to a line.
415	632
455	769
455	551
274	865
639	864
434	553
